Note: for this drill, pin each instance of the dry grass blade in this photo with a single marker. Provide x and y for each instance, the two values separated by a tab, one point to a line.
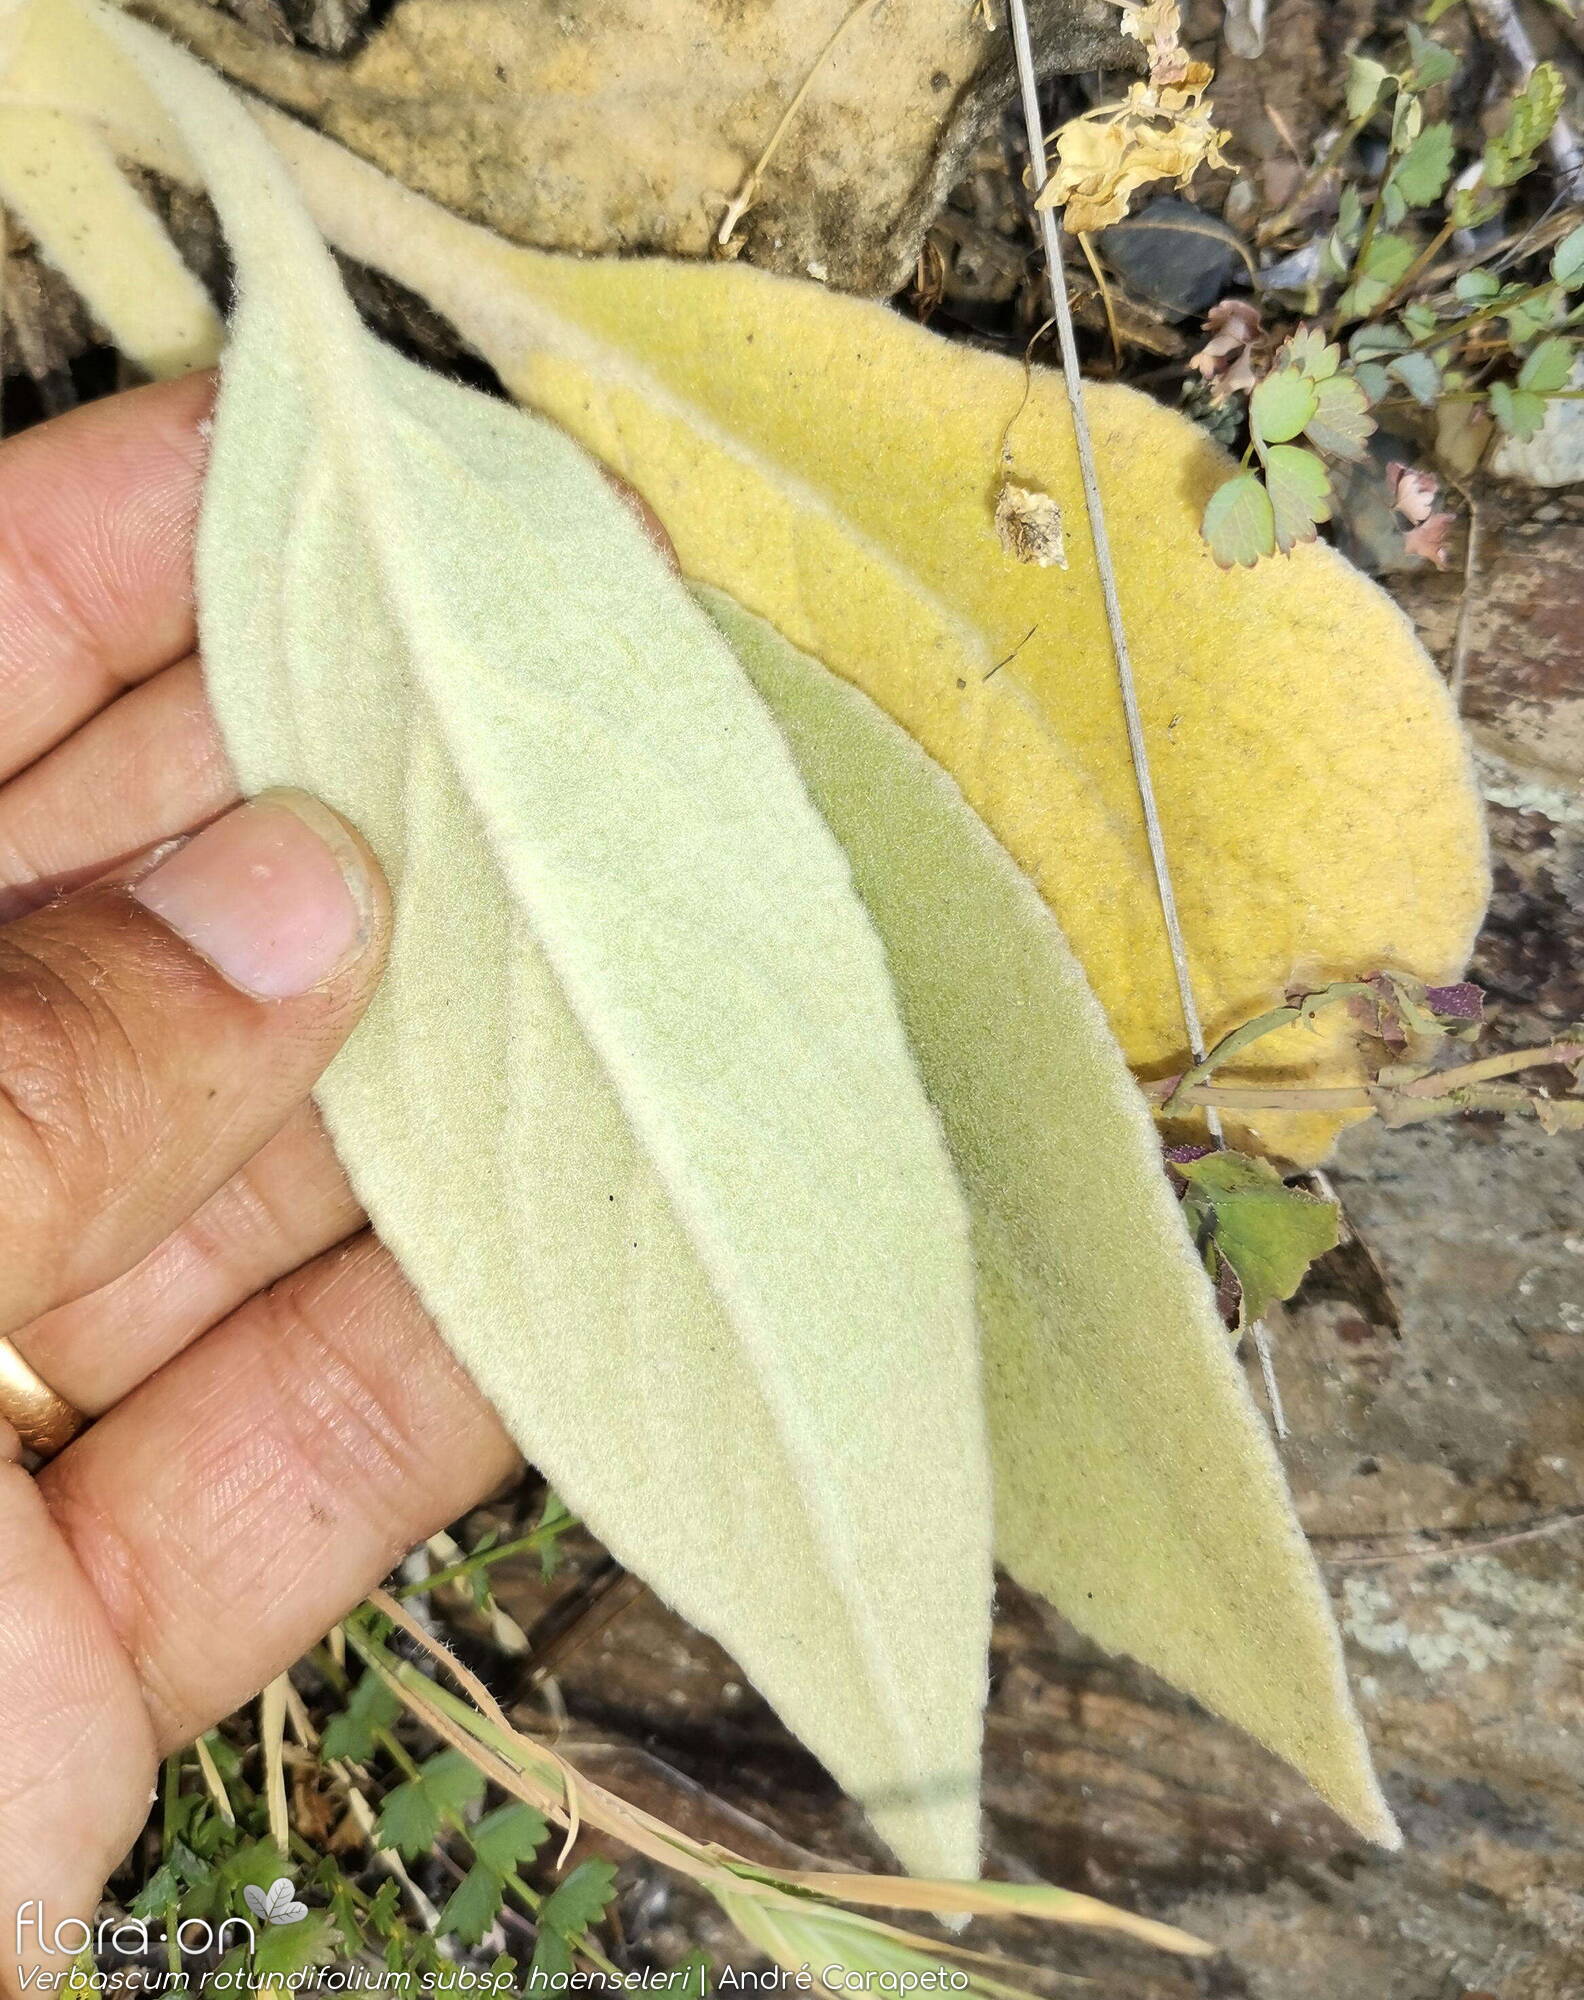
214	1784
463	1676
272	1738
995	1899
530	1771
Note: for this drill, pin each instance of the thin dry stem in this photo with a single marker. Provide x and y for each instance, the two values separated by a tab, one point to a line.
1138	748
745	196
1463	1543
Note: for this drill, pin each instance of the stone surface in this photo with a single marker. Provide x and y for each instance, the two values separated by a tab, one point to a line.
1175	255
1465	1419
1433	1371
1554	456
598	128
1524	673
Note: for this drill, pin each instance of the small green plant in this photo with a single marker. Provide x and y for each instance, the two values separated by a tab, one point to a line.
1258	1235
1504	345
314	1842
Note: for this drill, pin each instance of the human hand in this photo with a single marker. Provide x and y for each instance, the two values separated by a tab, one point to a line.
180	1255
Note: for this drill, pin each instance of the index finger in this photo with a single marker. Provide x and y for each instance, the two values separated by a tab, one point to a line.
97	516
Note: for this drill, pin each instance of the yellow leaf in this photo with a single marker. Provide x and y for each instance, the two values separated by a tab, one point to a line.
835	469
831	467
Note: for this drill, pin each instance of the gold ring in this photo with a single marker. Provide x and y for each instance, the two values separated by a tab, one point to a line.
46	1423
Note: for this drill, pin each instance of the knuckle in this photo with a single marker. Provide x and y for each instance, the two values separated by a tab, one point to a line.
73	1095
368	1399
125	1584
323	1388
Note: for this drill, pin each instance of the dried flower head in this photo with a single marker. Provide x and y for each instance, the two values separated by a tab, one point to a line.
1229	360
1413	493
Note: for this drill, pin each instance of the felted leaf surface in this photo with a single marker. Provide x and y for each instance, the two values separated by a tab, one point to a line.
633	1105
63	180
835	468
1135	1485
1308	1719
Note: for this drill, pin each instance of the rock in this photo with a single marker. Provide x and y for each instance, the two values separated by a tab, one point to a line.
594	129
1554	456
1524	659
1295	273
1367	529
1175	255
1466	1418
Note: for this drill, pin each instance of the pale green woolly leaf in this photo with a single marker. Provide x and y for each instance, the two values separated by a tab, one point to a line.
634	1105
1136	1487
1021	1074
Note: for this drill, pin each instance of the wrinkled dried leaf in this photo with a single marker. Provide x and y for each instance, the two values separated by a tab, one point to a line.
633	1104
1030	525
1413	493
1104	157
1226	361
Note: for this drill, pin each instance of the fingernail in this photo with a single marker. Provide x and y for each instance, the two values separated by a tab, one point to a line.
276	895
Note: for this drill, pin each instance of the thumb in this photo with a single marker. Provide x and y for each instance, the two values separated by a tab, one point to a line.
155	1030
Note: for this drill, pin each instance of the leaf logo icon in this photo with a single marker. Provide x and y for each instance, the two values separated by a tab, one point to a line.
275	1905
